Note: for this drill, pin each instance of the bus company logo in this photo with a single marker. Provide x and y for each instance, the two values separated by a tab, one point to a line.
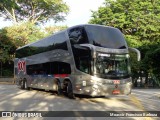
21	66
116	81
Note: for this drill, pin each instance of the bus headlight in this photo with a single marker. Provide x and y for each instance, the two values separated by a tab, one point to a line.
84	83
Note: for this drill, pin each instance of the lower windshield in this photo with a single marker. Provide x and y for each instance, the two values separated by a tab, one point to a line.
112	65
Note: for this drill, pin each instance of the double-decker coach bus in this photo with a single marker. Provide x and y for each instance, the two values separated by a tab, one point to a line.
84	59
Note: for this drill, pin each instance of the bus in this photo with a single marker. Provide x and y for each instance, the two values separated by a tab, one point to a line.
85	59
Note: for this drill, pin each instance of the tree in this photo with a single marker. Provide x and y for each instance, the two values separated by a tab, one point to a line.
150	63
6	46
33	10
22	34
135	18
14	37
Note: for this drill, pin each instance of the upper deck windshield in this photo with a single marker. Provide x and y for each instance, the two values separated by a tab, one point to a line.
112	66
107	37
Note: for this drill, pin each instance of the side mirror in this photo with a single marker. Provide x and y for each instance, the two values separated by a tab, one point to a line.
137	51
91	47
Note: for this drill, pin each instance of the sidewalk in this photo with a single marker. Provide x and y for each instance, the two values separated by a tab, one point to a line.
6	80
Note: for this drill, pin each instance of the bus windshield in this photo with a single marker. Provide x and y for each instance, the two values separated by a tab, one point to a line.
107	37
112	66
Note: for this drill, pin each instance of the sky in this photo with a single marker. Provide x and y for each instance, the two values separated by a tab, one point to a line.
80	13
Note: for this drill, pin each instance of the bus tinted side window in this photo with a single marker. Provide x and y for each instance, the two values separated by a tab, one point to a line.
54	68
49	68
54	42
35	69
64	68
78	36
83	64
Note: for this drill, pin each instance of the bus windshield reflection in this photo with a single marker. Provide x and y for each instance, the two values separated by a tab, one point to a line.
111	65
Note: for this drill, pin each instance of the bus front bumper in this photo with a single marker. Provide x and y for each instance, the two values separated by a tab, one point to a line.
104	89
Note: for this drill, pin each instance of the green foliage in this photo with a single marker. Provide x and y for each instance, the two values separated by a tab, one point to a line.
133	41
7	47
21	34
7	72
16	36
133	17
151	57
33	10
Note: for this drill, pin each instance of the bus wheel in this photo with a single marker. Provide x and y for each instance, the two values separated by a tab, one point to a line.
22	84
57	88
26	86
70	93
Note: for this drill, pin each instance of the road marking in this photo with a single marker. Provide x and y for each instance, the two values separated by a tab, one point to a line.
149	97
138	104
151	92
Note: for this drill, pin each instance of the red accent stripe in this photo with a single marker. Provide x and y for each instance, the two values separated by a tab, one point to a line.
116	92
61	75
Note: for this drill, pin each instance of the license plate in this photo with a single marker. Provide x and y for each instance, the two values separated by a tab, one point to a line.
116	92
116	81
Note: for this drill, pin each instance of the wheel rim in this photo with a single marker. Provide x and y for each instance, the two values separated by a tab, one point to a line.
55	87
25	84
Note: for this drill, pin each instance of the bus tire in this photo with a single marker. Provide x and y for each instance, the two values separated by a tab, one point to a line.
22	84
70	93
57	87
26	86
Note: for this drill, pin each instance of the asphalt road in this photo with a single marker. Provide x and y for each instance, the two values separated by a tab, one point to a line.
14	99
